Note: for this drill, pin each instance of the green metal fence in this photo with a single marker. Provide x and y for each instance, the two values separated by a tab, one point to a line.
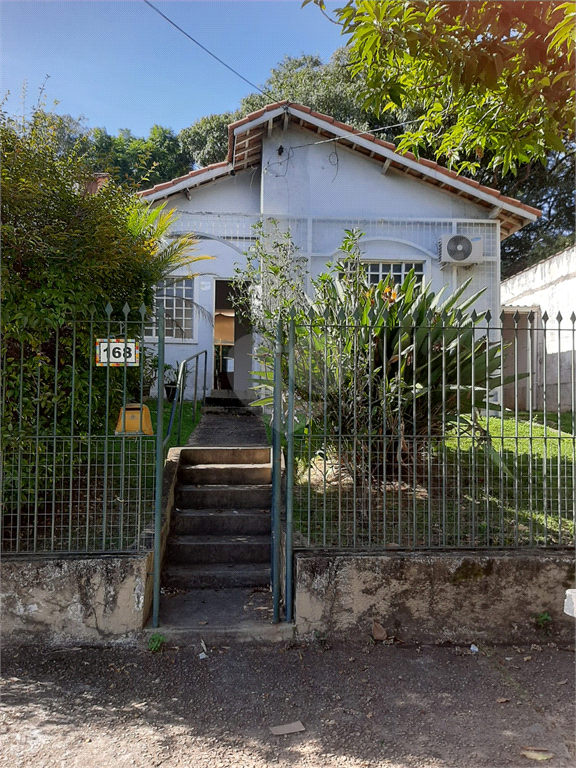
446	435
79	465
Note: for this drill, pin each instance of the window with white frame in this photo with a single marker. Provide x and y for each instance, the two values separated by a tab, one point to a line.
175	295
377	271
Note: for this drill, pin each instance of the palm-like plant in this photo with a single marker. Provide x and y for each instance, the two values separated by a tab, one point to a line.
391	365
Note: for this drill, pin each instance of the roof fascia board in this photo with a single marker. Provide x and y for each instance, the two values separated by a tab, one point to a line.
259	120
210	175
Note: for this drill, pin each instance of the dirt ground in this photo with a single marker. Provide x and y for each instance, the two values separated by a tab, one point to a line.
361	704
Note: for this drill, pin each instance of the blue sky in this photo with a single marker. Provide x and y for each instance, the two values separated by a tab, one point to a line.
120	65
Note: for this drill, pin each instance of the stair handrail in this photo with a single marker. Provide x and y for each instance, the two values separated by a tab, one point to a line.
179	395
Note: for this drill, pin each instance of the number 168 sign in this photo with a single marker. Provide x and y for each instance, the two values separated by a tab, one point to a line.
116	352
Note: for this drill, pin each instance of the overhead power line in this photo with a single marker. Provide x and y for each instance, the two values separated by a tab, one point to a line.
159	12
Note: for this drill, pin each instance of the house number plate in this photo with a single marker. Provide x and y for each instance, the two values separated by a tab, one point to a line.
116	352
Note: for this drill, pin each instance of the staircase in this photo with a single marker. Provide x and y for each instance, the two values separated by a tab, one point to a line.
220	532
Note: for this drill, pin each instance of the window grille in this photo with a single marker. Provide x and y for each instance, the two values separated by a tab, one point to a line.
175	296
399	269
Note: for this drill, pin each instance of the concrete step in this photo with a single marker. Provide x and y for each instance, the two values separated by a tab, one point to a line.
219	616
216	576
254	454
211	522
225	474
223	402
218	549
234	410
230	398
223	496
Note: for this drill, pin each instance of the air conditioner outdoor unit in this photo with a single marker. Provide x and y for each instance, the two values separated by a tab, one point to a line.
459	249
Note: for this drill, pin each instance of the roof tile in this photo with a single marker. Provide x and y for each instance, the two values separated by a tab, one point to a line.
490	190
321	116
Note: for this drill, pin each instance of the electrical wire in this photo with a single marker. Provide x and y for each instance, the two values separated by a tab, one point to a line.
173	23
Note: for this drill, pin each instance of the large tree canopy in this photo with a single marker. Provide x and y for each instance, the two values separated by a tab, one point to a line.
136	160
487	78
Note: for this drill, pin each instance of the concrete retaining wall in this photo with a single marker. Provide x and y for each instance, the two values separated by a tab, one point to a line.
431	597
86	599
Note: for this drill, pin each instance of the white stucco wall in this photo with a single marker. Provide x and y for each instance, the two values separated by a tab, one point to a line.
329	180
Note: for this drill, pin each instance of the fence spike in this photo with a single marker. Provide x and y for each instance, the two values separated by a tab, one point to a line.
545	317
488	315
531	316
126	310
559	317
108	309
573	317
143	311
516	317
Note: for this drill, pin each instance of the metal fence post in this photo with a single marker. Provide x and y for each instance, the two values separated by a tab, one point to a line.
290	472
276	473
159	473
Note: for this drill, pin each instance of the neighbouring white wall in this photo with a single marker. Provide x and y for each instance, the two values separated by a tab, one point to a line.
549	288
549	285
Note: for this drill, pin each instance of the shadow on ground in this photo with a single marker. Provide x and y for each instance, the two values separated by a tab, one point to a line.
361	704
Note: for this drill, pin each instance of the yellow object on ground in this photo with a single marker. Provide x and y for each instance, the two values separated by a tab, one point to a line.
134	419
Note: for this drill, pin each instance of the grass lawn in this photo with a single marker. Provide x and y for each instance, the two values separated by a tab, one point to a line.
189	420
567	420
518	488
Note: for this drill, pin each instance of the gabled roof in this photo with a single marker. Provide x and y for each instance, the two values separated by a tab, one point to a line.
245	151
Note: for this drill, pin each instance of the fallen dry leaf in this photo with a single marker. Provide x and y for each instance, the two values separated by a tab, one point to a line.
537	754
502	700
527	658
378	631
562	682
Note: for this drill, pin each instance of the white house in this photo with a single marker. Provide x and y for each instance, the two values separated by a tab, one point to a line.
319	177
531	302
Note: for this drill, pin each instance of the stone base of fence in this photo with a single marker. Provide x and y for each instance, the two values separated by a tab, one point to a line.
424	597
86	599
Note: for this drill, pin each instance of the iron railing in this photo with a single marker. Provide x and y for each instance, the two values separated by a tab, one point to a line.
438	436
185	368
79	466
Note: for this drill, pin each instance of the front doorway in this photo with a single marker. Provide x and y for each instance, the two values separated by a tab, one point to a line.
232	342
224	314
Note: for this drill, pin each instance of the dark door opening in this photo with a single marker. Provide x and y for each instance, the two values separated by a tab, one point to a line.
224	336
